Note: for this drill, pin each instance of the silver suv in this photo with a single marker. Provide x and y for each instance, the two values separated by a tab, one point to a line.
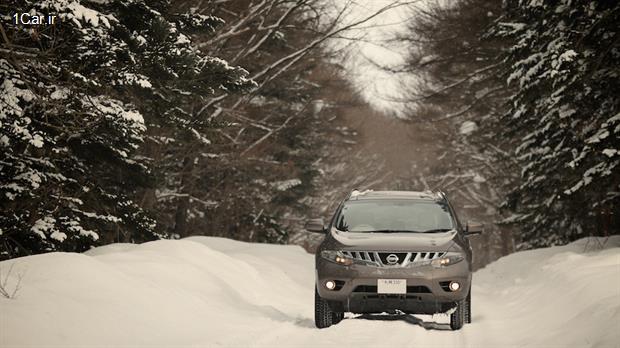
393	250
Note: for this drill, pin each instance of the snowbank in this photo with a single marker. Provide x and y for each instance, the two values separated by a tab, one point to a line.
215	292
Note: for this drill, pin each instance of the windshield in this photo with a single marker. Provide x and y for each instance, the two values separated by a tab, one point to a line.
394	216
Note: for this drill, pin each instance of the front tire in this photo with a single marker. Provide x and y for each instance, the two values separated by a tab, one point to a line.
457	318
468	312
323	315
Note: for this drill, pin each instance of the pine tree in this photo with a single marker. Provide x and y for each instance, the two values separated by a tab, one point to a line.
565	63
77	99
456	95
258	166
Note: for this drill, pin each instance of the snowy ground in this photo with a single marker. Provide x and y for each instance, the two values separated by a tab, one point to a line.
213	292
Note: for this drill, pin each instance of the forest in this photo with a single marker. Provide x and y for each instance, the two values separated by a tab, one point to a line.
131	121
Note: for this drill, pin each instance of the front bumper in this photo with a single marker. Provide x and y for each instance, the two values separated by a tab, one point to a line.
356	291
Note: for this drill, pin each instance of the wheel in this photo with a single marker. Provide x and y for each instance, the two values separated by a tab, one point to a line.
468	311
323	315
457	318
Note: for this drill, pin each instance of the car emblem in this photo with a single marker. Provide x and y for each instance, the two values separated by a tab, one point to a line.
392	259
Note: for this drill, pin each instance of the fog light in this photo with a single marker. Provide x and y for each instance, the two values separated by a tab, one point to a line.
454	286
330	284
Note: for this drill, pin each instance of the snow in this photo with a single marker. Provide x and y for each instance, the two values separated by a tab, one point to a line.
479	178
136	79
76	12
37	141
598	137
215	292
286	184
182	39
588	175
59	236
567	56
60	93
42	225
513	26
356	193
116	108
11	96
427	59
141	40
468	127
31	177
200	137
109	218
133	116
75	226
565	111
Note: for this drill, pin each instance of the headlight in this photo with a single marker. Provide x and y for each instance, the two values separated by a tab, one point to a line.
336	257
448	260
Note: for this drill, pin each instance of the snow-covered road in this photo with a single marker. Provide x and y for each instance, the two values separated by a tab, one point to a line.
214	292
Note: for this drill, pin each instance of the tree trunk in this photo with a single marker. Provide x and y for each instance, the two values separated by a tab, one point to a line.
181	216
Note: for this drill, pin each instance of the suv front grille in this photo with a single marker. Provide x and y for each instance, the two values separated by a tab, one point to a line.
389	259
385	258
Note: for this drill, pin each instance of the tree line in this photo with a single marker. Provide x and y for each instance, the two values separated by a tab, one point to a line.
130	121
524	95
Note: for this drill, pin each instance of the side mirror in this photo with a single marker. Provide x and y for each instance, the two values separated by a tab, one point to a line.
473	228
315	225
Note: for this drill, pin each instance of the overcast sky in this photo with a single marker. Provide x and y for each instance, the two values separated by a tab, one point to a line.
375	84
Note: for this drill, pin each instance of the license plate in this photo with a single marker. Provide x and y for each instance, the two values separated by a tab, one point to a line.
392	286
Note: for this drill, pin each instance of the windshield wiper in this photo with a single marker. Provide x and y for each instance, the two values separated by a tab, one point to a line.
438	230
394	231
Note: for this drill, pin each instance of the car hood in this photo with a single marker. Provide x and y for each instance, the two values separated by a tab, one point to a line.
422	242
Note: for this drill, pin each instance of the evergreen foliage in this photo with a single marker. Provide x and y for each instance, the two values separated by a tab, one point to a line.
565	64
124	121
77	99
250	180
534	85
